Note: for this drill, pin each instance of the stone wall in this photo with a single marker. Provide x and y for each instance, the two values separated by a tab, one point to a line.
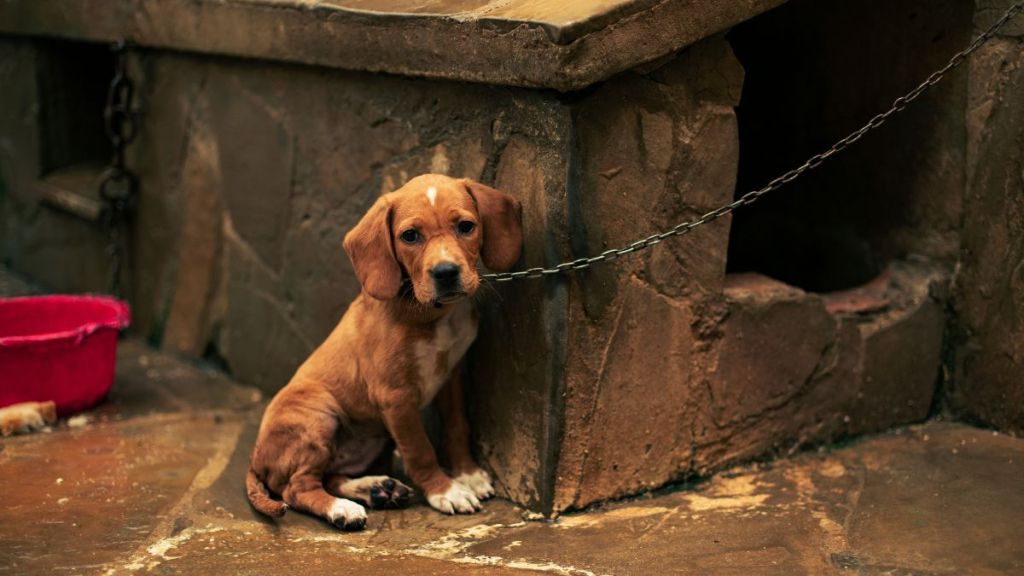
987	382
254	172
54	249
654	150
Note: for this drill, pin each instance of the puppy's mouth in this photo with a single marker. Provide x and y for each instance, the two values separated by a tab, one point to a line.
449	298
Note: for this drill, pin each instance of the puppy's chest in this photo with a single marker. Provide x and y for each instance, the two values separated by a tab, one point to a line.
438	354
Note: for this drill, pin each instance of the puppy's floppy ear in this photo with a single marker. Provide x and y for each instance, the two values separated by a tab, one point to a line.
369	246
501	217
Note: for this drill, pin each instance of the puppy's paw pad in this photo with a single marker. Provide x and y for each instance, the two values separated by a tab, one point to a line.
457	499
347	515
389	493
376	491
479	481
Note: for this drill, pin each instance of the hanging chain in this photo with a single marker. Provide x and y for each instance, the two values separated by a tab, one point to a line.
750	197
118	184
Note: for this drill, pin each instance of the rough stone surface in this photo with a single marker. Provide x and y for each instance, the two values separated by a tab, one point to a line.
200	249
988	375
517	362
666	143
563	45
901	364
780	368
789	370
52	248
13	285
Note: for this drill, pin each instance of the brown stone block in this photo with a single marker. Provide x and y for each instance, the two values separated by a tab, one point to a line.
637	327
518	361
260	340
784	371
771	344
778	376
637	424
199	251
172	90
255	150
902	353
987	381
657	150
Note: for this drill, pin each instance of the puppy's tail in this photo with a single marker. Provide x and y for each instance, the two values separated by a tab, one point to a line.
260	498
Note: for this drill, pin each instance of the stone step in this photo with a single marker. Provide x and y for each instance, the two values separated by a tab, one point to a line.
566	45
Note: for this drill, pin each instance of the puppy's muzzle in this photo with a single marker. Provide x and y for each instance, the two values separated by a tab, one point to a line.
447	281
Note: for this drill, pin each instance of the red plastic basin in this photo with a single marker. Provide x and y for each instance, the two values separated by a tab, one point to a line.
59	348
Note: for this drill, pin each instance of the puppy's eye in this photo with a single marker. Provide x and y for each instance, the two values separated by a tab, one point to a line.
465	227
410	236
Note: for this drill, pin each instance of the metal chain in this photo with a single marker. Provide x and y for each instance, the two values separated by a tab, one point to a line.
750	197
118	185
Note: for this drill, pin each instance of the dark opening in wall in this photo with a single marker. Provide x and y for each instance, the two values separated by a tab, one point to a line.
816	71
72	81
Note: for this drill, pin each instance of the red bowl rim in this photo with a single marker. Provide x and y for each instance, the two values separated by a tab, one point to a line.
120	320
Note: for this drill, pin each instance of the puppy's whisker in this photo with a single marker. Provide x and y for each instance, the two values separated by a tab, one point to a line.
488	285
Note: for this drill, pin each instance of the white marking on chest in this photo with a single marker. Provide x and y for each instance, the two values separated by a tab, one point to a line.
437	355
432	195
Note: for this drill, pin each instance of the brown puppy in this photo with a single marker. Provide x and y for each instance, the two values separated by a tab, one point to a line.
396	348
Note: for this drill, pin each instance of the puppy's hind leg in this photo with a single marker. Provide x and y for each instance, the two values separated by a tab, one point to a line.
374	491
306	492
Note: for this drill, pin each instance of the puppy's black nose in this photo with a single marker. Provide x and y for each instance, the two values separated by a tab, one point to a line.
445	272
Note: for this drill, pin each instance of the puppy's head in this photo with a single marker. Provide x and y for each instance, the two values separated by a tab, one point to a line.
432	231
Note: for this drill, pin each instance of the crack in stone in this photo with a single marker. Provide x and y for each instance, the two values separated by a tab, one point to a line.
152	552
593	405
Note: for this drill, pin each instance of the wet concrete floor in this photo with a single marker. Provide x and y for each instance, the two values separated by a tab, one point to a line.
152	483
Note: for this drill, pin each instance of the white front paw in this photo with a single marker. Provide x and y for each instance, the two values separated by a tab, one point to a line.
347	515
479	482
456	499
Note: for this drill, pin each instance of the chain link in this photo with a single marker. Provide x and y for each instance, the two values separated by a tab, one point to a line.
750	197
118	185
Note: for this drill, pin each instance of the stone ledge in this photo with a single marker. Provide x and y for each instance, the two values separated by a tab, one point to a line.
532	44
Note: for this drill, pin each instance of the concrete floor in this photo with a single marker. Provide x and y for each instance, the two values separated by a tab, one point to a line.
153	483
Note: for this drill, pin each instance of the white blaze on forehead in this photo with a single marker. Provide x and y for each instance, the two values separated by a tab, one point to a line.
432	195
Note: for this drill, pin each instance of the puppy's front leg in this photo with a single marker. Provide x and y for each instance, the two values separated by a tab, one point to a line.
402	417
451	403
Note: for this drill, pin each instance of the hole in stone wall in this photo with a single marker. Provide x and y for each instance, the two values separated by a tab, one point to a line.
72	82
816	71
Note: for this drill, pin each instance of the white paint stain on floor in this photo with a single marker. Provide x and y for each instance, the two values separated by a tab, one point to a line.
737	493
587	519
455	542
